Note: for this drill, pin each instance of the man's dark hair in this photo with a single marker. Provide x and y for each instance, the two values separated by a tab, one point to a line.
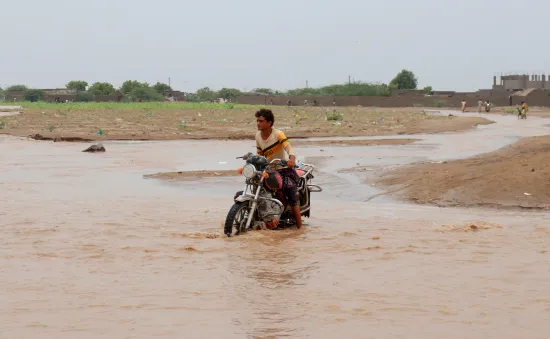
266	114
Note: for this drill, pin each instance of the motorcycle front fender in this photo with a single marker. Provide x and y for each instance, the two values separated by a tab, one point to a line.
243	198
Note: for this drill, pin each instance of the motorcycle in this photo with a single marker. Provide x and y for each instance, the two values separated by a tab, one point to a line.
263	200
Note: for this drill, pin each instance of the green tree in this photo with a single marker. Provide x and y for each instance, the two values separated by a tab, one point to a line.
192	97
161	88
267	91
206	94
304	91
428	90
405	80
78	85
84	96
102	88
129	85
229	93
33	95
146	94
349	89
17	88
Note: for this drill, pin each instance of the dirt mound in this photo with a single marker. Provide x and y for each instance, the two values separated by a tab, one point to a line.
516	176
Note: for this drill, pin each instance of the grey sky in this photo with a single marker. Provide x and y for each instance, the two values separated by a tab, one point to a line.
451	45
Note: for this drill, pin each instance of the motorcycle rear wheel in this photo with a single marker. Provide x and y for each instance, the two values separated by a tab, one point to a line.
235	222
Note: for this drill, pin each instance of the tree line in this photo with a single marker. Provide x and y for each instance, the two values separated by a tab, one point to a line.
134	90
403	80
131	89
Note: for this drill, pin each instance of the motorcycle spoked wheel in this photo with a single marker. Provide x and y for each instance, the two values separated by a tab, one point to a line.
235	222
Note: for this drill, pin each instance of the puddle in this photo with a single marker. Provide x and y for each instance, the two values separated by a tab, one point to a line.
6	114
122	254
9	110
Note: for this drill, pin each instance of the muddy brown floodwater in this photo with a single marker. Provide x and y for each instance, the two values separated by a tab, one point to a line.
91	249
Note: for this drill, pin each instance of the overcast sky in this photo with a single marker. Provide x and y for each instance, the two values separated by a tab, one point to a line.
450	45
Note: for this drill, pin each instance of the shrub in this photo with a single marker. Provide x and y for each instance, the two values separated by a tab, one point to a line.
33	95
335	116
439	103
83	96
146	94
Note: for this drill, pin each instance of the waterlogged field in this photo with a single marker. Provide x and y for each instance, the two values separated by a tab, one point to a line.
91	249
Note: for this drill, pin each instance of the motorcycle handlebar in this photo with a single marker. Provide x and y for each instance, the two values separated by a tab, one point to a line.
244	156
280	162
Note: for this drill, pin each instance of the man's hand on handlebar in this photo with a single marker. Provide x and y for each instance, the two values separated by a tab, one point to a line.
291	162
245	157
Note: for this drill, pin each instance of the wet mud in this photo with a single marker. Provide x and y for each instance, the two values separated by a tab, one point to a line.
55	139
111	123
89	248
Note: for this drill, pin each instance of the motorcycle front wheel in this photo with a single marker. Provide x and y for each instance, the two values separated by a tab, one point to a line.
235	222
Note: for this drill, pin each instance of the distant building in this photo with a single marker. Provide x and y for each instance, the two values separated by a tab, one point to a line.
176	95
59	91
519	82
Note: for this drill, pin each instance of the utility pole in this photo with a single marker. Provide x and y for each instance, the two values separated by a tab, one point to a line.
349	79
306	84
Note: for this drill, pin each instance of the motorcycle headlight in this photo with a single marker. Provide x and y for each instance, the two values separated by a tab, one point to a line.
249	171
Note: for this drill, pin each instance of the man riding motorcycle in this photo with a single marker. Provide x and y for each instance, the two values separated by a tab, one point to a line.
273	144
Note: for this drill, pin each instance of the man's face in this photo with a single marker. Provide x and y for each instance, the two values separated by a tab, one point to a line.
262	124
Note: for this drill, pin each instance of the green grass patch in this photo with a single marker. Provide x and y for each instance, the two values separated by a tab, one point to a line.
335	116
127	105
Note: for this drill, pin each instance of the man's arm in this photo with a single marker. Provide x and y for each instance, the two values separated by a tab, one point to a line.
283	140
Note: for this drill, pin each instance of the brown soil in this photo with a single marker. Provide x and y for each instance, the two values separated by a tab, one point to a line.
380	142
165	124
515	176
191	175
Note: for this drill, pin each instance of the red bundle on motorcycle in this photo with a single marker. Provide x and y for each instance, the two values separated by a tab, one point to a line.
274	181
300	172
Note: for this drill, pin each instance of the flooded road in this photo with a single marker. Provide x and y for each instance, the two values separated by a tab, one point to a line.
91	249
